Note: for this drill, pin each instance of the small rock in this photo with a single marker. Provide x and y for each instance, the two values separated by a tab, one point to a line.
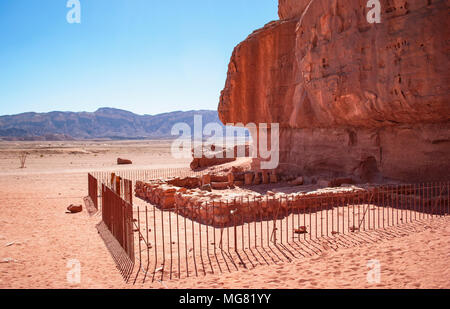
121	161
301	230
75	208
354	229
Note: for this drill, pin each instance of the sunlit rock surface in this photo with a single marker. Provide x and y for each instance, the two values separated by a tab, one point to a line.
352	98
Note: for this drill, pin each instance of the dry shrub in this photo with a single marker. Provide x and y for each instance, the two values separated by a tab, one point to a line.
23	158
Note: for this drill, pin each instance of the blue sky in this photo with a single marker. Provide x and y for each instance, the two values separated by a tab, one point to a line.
146	56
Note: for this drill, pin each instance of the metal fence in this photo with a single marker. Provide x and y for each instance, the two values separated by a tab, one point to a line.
146	175
180	243
183	245
108	178
93	190
117	214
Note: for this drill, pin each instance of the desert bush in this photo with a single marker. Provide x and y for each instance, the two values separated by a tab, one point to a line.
23	158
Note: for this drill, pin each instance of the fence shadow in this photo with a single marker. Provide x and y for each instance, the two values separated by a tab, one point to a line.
123	263
251	258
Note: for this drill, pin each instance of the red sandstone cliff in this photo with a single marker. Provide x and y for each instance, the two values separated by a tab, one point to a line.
352	98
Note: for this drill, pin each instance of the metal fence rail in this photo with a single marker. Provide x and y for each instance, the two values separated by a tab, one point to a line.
218	236
107	178
93	190
146	175
117	214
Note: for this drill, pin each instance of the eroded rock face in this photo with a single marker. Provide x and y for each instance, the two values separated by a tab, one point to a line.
291	8
352	98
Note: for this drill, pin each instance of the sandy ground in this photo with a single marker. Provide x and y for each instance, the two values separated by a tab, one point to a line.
38	240
416	261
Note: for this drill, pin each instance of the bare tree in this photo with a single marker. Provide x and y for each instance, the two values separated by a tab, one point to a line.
23	158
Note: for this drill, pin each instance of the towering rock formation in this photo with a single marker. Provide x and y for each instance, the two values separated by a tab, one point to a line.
352	98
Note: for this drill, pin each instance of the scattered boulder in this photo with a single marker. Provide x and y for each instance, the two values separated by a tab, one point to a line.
75	209
121	161
301	230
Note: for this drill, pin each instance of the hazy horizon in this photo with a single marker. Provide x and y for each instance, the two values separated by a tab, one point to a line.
107	107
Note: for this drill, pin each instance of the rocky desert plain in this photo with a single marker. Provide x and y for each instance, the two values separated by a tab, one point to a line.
38	238
352	99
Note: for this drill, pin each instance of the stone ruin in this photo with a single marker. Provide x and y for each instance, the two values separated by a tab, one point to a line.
226	199
215	155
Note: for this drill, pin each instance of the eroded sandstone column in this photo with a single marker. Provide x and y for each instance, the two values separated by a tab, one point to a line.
369	101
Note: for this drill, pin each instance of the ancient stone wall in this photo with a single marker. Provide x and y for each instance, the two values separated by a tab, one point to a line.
188	197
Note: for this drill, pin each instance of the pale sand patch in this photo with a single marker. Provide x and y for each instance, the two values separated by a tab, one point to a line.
44	238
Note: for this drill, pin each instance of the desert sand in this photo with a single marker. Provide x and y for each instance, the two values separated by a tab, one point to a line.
38	238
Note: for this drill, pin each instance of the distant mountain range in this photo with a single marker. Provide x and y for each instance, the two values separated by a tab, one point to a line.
105	123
